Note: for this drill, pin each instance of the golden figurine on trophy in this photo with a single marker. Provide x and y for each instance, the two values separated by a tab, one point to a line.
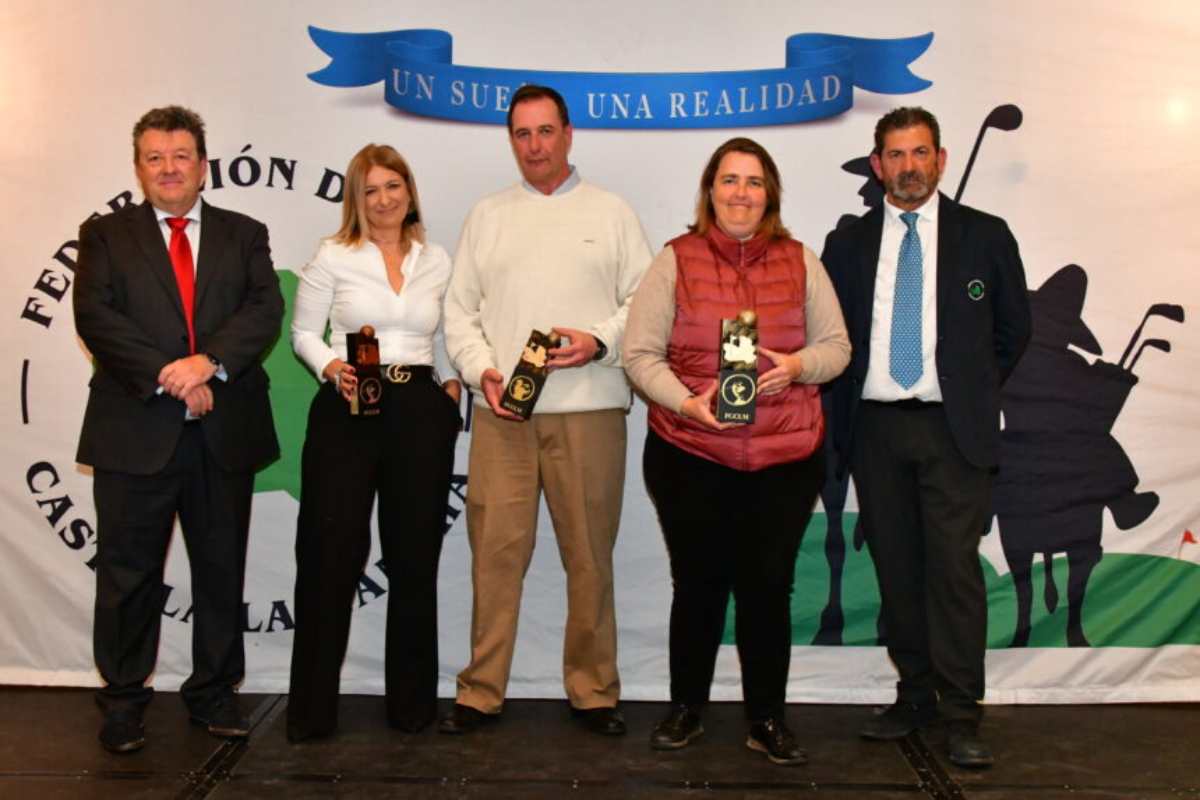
529	375
738	380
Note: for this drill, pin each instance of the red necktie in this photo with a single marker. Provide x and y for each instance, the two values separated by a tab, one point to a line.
185	273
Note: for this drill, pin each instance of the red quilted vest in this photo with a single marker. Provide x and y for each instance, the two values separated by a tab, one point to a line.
718	276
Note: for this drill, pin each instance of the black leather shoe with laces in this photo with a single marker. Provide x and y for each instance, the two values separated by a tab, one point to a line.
965	748
678	729
463	719
122	732
899	720
772	737
606	721
223	718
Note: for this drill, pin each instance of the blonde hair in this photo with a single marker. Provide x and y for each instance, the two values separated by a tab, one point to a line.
354	203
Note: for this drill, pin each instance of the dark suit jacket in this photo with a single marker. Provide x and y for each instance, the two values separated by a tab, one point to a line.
978	341
129	314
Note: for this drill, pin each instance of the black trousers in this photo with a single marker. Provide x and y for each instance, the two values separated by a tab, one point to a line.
404	456
135	515
728	530
923	509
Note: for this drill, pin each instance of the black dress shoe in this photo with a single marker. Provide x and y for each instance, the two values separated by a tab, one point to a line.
772	737
411	717
678	729
297	735
223	718
965	748
899	720
122	732
604	721
413	723
463	719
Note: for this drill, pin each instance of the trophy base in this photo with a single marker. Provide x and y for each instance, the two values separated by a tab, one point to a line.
736	394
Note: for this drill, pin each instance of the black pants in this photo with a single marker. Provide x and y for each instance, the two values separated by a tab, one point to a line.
135	515
731	530
923	509
405	457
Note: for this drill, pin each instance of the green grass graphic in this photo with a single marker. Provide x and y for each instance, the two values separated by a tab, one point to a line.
1131	601
292	390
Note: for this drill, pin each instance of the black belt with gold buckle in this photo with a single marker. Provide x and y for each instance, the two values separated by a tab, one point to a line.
403	373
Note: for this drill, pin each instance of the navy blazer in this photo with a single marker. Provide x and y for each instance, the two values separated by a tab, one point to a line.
129	314
978	340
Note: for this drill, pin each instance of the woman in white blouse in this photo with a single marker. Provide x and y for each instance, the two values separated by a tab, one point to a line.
376	270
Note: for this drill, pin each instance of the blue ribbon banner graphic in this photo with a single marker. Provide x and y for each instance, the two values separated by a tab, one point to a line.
816	82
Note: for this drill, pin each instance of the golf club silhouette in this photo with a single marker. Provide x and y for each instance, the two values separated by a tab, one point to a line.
1157	344
1003	118
1169	310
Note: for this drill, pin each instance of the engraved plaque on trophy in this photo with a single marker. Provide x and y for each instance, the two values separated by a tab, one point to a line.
738	381
528	377
362	349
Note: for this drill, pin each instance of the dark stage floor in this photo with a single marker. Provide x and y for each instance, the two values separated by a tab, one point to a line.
48	750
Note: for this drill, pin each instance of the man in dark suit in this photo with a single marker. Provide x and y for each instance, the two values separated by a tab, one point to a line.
177	420
937	310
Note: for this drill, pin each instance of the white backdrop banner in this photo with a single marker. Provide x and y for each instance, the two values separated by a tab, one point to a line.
1075	121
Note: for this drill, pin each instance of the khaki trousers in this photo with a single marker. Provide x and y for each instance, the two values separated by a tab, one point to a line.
578	460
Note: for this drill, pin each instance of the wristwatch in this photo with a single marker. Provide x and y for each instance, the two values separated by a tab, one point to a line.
601	349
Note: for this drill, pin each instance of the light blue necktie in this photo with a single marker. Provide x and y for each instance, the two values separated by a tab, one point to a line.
905	364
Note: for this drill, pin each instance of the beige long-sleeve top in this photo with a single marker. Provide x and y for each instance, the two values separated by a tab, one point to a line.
652	317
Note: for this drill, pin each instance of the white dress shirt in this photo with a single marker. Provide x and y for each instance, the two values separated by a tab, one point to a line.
192	230
347	287
879	384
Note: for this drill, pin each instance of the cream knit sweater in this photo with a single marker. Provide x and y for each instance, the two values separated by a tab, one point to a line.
528	260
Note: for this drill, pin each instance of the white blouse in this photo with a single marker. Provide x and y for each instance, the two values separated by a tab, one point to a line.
347	287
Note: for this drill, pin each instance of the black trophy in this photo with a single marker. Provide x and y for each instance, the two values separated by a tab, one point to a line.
362	349
738	382
528	377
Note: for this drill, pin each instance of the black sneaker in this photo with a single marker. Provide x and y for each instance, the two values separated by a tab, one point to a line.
123	732
678	729
223	718
772	737
897	721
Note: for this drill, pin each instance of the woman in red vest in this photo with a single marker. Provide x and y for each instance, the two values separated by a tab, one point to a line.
733	498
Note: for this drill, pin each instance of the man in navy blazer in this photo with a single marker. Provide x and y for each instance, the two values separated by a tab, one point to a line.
178	302
937	309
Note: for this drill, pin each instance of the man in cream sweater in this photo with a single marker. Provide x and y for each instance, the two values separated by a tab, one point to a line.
551	252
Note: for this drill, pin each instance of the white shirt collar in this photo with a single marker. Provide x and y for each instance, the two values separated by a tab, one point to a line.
570	183
192	215
926	212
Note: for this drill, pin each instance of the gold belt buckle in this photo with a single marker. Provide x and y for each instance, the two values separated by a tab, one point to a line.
396	373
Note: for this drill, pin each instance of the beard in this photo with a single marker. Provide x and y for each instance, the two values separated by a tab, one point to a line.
913	185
